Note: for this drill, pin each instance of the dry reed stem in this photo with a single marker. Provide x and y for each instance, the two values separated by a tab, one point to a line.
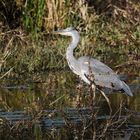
107	99
8	72
52	103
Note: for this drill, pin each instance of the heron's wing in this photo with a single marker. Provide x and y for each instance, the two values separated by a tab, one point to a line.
97	66
102	74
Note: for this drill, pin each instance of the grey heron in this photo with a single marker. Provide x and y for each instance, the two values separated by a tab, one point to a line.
102	75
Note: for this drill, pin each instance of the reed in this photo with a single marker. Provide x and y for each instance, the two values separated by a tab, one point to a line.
33	15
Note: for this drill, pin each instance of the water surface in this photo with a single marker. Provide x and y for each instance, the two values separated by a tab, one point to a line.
55	101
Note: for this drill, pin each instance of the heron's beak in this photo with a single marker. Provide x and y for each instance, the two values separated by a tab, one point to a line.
57	32
61	32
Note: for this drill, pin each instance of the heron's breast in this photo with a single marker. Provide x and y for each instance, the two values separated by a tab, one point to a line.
74	67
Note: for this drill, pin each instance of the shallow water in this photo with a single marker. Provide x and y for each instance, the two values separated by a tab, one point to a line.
54	100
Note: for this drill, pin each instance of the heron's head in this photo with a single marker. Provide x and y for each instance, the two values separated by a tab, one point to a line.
70	31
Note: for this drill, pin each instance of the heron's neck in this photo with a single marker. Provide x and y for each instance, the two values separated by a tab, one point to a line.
75	40
72	61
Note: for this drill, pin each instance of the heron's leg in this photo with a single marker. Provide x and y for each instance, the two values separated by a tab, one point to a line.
92	89
91	78
80	84
79	95
93	111
93	86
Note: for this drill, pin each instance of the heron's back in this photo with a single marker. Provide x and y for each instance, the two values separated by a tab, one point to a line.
103	75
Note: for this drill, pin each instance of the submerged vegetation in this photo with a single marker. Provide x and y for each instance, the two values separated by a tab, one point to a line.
55	109
107	28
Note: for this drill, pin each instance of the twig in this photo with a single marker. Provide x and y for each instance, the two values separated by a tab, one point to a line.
6	73
107	99
56	100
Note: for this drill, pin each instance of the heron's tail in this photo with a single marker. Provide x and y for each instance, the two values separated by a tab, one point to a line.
126	89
